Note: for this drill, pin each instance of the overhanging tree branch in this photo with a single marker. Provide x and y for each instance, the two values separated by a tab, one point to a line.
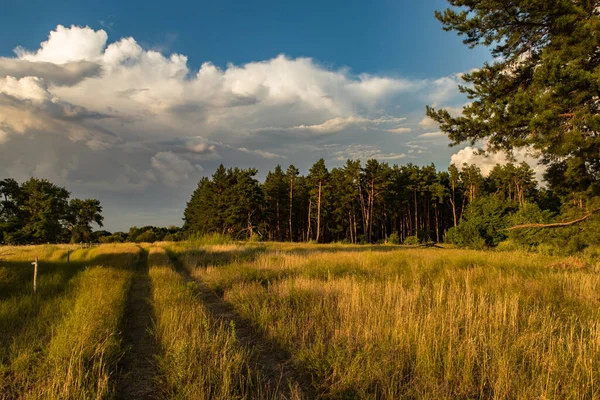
556	224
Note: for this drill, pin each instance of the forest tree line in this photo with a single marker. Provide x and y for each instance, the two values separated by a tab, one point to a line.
376	202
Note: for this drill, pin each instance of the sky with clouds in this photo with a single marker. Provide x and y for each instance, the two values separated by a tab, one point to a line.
133	112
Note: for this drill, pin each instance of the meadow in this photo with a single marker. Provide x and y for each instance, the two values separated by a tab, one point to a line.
202	320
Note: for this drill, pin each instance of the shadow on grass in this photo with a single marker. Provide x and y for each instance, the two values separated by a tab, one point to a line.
16	277
20	307
273	361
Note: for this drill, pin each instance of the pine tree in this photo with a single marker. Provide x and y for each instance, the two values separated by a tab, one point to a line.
318	176
291	175
541	91
276	192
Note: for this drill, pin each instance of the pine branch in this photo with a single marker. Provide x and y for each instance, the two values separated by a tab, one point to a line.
555	225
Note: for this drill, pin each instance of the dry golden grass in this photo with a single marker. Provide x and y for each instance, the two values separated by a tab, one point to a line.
63	341
419	323
362	321
201	358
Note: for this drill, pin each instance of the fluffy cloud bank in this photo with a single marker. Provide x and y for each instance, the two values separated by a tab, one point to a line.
114	116
487	161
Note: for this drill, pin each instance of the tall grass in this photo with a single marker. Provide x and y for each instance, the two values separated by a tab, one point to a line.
85	345
201	357
61	341
422	323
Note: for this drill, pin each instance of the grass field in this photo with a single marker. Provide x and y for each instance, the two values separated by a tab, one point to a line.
265	320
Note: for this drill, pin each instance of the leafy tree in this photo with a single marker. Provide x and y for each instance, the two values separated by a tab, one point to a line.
542	89
11	218
44	208
38	211
81	215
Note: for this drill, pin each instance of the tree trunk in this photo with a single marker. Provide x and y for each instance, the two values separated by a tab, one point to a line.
319	212
308	229
278	221
453	203
365	212
437	225
416	215
350	220
291	208
354	227
371	206
250	225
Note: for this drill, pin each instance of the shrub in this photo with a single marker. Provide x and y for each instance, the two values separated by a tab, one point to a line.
485	223
411	241
394	238
146	237
114	238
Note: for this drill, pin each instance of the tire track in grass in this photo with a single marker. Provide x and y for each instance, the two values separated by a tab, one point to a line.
274	362
138	378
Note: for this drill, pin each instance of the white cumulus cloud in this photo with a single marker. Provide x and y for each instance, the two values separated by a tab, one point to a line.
136	119
486	161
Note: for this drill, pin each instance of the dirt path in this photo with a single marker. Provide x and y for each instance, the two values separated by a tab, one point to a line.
274	362
138	377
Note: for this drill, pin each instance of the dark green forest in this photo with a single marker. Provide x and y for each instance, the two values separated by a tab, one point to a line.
376	202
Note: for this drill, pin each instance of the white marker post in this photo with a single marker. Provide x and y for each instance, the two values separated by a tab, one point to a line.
35	268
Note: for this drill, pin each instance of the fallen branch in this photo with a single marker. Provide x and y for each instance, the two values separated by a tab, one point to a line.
432	244
556	224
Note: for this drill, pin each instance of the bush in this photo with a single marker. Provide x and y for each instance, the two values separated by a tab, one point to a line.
507	245
146	237
114	238
394	238
411	241
485	223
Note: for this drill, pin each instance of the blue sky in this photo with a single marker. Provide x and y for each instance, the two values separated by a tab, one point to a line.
132	102
391	37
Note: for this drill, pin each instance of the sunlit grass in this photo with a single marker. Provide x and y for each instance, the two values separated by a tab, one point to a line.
85	345
363	321
419	323
201	357
63	340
